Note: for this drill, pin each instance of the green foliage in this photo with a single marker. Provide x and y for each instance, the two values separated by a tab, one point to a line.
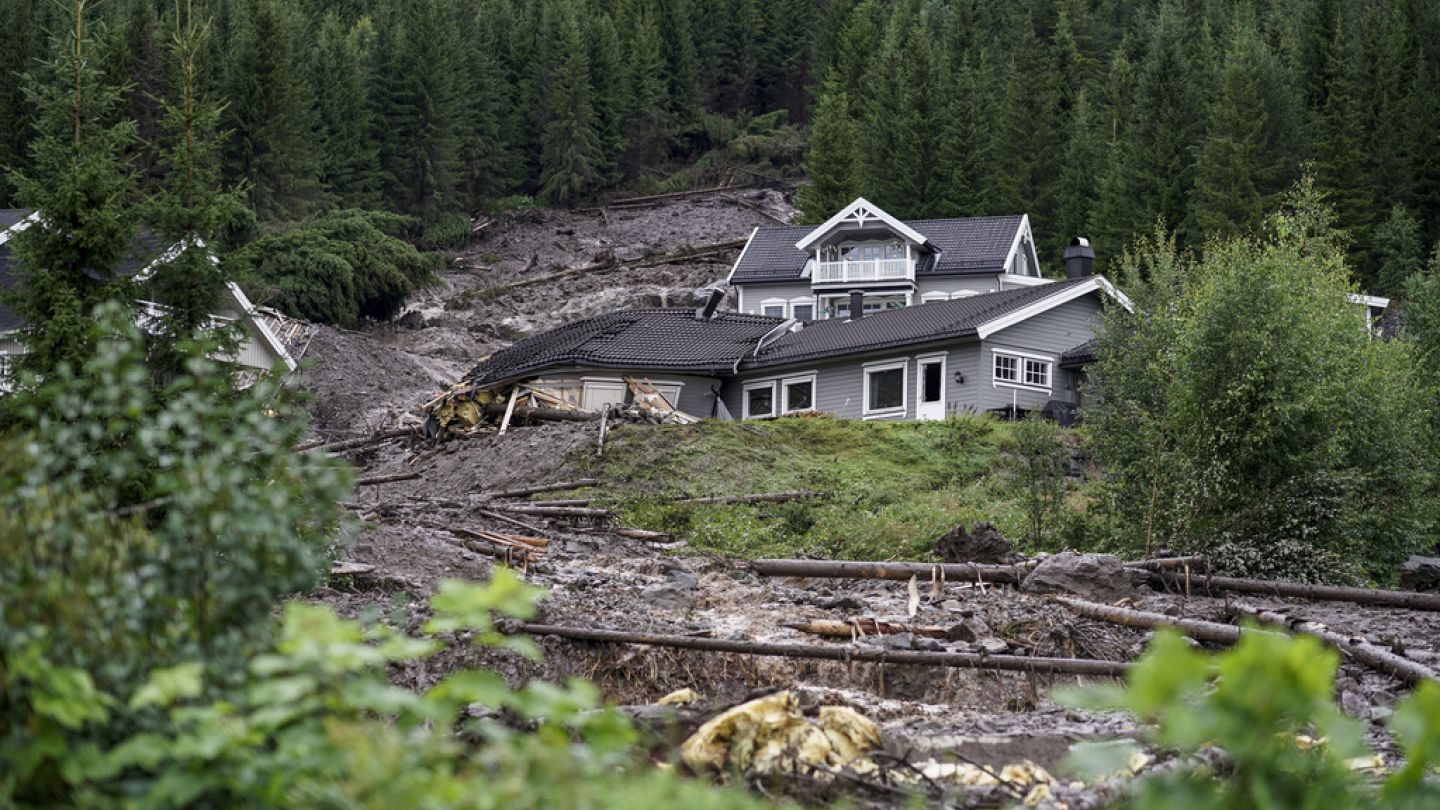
1244	404
79	176
831	157
887	490
1399	251
1037	465
569	157
1268	705
337	268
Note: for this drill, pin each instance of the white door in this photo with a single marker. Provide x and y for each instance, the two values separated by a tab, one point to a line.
930	393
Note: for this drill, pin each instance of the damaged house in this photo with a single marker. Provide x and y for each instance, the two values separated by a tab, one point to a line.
260	349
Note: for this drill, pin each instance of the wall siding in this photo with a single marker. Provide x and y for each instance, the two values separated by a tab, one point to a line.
1051	333
749	296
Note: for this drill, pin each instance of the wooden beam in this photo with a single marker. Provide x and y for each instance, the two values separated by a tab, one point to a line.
840	569
1008	663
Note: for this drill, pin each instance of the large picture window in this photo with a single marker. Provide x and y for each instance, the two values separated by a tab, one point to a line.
760	400
799	394
885	389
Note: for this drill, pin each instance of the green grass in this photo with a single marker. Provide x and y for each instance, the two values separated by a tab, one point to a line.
889	489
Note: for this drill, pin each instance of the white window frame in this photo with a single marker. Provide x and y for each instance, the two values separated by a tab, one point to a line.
773	302
934	296
785	384
920	360
1020	360
745	400
808	301
598	384
876	367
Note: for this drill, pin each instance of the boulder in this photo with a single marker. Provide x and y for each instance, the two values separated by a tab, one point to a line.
1420	574
1097	577
668	597
983	545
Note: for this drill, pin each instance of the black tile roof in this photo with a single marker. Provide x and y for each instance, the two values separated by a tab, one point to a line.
905	326
969	245
652	339
673	340
1081	355
144	249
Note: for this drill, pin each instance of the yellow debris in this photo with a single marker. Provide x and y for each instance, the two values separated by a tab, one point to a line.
770	735
680	697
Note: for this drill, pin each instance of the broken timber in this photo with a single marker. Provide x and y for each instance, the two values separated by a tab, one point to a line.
542	414
762	497
1301	590
633	264
376	480
351	444
1369	654
1194	628
558	486
854	628
553	511
1009	663
674	195
842	569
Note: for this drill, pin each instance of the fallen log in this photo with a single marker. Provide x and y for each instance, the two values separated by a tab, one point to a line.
673	195
834	628
1009	663
643	534
1166	563
345	568
1194	628
1301	590
632	264
1371	655
553	511
521	492
844	569
542	414
351	444
497	537
762	497
512	521
376	480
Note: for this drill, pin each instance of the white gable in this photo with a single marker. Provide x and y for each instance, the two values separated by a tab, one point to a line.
860	214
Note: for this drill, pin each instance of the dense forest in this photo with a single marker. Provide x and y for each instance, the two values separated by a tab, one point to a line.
1095	116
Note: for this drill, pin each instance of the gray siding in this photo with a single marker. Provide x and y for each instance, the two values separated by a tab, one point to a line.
839	386
749	296
1051	334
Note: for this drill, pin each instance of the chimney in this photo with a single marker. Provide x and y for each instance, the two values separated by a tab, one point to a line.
1079	258
707	301
857	304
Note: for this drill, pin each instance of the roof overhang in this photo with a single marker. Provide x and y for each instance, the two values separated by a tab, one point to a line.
1090	285
1379	302
19	226
861	213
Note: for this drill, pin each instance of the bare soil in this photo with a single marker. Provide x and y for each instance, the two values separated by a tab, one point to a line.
362	381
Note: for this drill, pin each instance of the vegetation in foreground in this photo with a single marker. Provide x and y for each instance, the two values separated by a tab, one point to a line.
884	490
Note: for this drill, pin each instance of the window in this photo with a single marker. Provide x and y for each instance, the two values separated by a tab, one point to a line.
931	385
932	297
1037	373
885	389
1020	370
799	395
803	309
597	393
1007	368
773	307
759	400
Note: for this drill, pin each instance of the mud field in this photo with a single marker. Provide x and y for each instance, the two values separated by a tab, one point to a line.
359	382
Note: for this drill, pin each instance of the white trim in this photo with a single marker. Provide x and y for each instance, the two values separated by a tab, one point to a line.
934	296
29	220
1023	357
741	257
783	303
1368	300
745	399
784	389
1092	284
267	336
1020	232
922	360
1022	281
869	369
807	301
849	211
598	385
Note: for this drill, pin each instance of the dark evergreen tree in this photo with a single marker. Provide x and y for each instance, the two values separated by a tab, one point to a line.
647	130
79	177
570	152
1027	136
1398	250
830	162
899	142
607	75
1340	163
782	69
343	76
24	25
1081	167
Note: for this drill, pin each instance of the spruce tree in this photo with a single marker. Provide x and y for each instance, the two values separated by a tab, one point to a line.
343	77
1398	251
570	151
79	181
22	43
647	132
830	161
899	142
1027	134
1341	170
420	112
1081	166
783	59
606	63
488	161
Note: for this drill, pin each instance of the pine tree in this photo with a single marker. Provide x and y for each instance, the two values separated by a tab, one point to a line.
899	142
726	33
606	63
342	77
19	48
1340	161
647	133
271	148
830	162
487	148
682	78
191	208
570	152
79	180
1078	189
967	163
1027	134
1398	251
783	61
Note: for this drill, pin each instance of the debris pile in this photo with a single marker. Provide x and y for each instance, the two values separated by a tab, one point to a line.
468	409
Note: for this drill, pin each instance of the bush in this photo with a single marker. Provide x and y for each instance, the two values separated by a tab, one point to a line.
335	269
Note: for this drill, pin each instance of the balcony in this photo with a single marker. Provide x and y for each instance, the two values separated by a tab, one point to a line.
863	270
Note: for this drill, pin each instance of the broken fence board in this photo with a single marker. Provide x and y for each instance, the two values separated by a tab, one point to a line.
1009	663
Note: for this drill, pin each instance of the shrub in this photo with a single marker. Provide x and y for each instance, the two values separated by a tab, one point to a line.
336	269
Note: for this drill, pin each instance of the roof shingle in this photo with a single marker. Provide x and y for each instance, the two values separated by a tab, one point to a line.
968	245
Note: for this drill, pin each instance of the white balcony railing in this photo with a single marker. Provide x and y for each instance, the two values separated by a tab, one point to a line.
865	270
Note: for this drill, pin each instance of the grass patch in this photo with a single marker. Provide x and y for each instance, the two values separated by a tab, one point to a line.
890	488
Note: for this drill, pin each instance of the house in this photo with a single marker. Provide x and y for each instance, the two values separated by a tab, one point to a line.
259	350
808	272
1001	351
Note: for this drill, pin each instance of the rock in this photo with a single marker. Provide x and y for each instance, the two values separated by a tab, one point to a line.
983	545
929	644
992	646
681	578
1097	577
413	320
952	605
972	629
667	597
840	603
900	641
1420	574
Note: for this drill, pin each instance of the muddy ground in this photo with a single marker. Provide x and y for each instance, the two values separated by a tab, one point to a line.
363	381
